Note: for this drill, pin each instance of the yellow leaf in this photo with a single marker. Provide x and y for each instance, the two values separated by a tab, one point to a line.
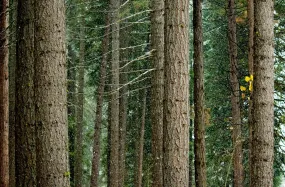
247	78
243	95
242	88
251	77
250	86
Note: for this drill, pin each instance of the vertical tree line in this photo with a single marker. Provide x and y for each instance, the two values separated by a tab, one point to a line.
97	93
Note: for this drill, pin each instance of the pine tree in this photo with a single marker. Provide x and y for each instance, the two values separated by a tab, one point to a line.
157	91
199	121
176	106
263	95
25	104
4	101
50	94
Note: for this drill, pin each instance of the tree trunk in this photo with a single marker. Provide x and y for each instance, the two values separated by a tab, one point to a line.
50	94
71	109
4	98
12	87
235	98
176	108
263	95
78	166
199	124
157	91
114	102
123	102
25	105
99	108
250	14
139	172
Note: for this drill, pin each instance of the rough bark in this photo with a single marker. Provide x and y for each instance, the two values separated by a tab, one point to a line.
78	165
25	107
263	95
114	102
50	94
99	108
176	87
199	124
157	91
250	14
12	87
235	97
123	102
4	98
139	170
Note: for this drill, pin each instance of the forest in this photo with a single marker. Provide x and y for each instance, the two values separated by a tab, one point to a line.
142	93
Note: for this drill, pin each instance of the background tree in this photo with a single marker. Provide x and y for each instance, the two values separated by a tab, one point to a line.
25	130
157	90
235	97
199	123
4	101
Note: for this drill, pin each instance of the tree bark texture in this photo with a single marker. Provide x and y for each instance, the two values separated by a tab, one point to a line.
235	97
25	108
250	14
263	95
12	87
4	97
139	170
99	108
50	94
157	91
199	124
176	106
78	166
114	102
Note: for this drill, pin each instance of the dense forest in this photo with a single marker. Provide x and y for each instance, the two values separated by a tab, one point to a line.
143	93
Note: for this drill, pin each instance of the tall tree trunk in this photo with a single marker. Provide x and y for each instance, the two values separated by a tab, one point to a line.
139	171
78	166
157	91
71	107
12	87
250	14
123	102
176	107
263	95
4	98
99	108
199	123
25	105
235	98
50	94
114	113
191	154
